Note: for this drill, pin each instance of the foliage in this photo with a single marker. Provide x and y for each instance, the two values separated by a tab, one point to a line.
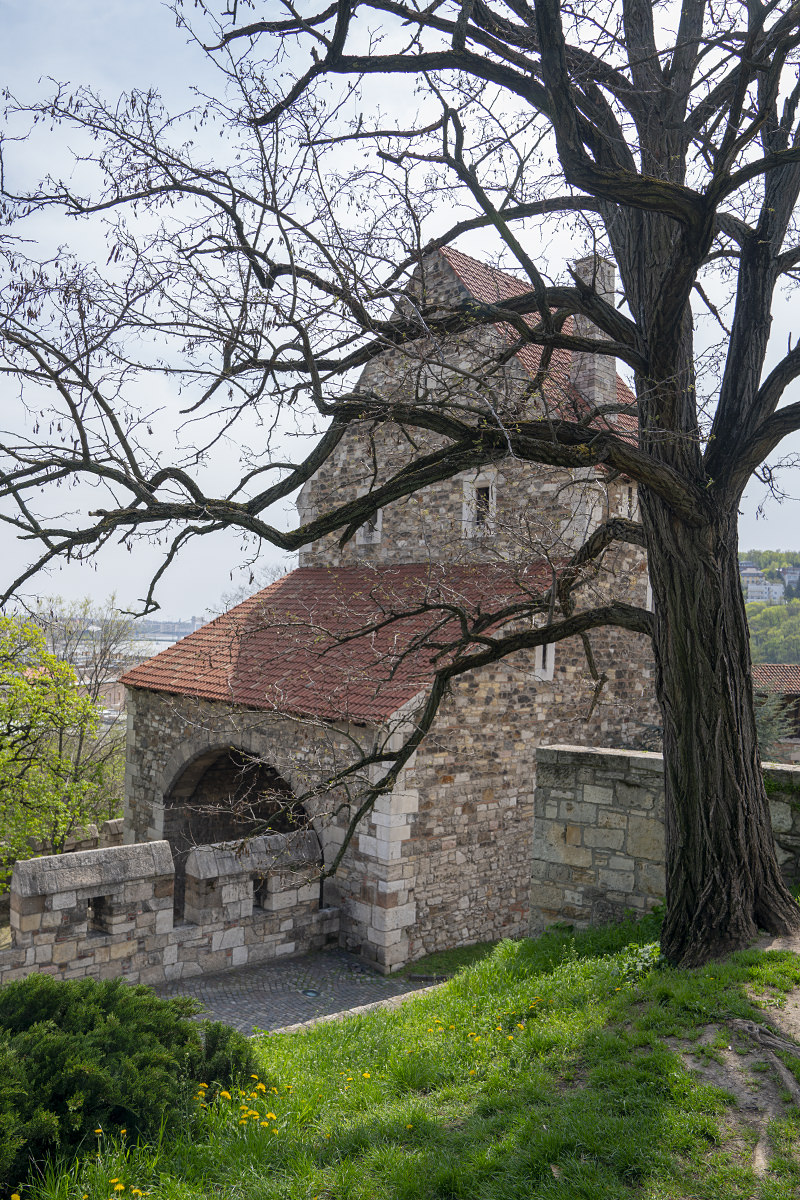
555	1069
41	709
774	632
773	722
83	1059
97	642
771	560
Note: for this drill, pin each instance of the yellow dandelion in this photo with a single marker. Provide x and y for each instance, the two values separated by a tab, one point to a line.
265	1125
472	1072
120	1187
98	1131
225	1095
409	1126
15	1196
520	1025
202	1085
254	1077
274	1128
367	1075
511	1037
261	1087
271	1117
123	1132
134	1192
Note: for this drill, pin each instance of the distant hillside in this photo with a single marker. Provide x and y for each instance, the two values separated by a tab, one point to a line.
775	630
771	560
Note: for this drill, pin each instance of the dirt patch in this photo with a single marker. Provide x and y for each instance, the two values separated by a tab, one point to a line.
738	1064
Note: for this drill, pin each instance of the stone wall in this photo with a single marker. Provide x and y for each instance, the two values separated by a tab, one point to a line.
109	912
598	838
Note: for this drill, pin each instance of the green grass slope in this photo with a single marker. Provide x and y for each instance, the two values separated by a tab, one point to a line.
561	1068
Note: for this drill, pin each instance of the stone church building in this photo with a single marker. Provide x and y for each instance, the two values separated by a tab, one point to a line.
267	712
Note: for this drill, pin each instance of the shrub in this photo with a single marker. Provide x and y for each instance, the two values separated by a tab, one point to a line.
81	1056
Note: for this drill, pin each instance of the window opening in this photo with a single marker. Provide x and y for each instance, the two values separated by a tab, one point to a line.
370	531
97	914
544	661
483	506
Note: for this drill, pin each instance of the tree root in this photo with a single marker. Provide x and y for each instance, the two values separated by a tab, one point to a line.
768	1041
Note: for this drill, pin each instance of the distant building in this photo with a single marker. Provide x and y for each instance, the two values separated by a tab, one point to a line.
764	592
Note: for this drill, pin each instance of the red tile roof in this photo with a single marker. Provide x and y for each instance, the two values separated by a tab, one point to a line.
490	286
302	645
783	678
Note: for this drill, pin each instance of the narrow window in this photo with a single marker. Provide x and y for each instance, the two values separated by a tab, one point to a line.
479	506
370	532
544	661
97	914
483	506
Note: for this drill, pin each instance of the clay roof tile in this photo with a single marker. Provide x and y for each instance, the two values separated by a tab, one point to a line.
318	642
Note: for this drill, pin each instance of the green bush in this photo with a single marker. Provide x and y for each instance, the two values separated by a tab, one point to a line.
81	1056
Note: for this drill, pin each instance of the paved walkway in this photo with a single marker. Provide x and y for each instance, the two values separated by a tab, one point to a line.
290	991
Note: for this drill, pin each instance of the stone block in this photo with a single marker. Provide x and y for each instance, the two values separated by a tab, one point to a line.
226	939
64	952
645	839
597	795
572	835
623	881
651	879
99	871
122	950
781	815
25	906
164	921
62	900
607	839
279	901
393	918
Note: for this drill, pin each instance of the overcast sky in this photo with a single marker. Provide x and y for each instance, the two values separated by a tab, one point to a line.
115	46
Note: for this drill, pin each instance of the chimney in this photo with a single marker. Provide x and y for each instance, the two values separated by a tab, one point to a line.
594	376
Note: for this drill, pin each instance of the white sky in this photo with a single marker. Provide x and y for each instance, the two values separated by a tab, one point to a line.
119	45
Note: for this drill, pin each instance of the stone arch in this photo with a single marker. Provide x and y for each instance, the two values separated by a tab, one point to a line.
223	793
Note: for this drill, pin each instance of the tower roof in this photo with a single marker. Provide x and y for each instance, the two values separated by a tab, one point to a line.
489	285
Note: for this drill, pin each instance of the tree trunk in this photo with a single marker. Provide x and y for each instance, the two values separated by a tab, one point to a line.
723	879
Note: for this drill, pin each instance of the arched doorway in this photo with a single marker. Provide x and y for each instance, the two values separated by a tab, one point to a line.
225	795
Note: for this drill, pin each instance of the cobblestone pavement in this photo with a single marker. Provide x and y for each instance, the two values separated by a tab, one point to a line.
275	994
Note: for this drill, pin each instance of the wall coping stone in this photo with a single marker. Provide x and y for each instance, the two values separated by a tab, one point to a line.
649	759
283	851
105	867
587	756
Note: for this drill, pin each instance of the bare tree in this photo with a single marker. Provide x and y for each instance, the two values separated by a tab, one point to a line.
269	270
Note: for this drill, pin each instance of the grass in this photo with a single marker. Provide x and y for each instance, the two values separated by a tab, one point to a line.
445	963
548	1069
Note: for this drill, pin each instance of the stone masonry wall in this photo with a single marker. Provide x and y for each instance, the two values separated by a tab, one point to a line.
598	838
104	913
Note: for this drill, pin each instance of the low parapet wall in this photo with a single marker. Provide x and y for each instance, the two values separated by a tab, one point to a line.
598	844
109	912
